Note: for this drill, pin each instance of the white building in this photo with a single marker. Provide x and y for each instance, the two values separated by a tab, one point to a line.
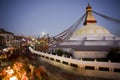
8	37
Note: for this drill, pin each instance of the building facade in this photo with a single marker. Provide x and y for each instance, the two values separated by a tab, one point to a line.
8	37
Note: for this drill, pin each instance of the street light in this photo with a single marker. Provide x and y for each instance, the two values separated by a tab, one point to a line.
43	33
33	39
23	39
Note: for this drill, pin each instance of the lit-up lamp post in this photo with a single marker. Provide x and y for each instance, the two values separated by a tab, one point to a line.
43	33
33	42
42	44
24	42
45	42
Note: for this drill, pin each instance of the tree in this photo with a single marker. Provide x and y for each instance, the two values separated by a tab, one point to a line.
114	54
67	54
60	52
2	42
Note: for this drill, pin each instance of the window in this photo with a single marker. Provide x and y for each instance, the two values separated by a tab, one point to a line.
117	70
103	69
90	67
65	62
74	65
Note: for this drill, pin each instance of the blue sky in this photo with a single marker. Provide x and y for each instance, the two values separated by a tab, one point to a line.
32	17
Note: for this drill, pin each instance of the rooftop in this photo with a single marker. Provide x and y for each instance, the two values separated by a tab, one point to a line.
2	31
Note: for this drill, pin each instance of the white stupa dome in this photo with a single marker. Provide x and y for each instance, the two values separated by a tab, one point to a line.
92	29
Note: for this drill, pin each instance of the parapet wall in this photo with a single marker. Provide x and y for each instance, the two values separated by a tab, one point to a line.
108	69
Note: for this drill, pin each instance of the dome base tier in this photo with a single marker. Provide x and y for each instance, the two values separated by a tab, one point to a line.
91	30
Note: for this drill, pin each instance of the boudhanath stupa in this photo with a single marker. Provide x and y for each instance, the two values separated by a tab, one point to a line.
91	40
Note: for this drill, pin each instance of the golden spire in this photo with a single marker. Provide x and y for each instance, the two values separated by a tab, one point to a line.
89	17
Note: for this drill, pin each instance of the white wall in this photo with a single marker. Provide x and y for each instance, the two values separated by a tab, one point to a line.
90	54
81	65
106	43
71	43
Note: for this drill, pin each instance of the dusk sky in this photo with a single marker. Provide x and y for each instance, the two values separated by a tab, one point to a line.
32	17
